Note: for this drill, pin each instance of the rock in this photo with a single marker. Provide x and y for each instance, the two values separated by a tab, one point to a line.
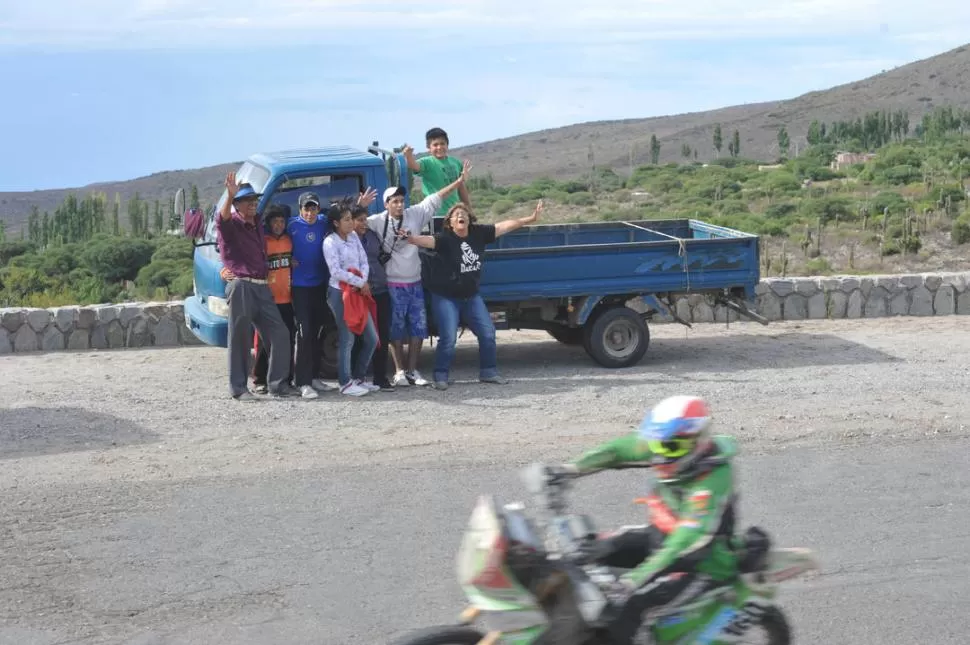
899	305
855	305
38	319
99	339
817	307
837	304
830	284
945	301
865	286
12	319
5	346
963	303
128	313
875	306
154	310
781	287
911	281
115	334
139	333
702	313
890	283
956	280
806	286
921	302
849	285
86	318
796	307
724	315
166	333
769	306
64	318
107	313
932	282
25	340
52	340
78	339
681	307
761	288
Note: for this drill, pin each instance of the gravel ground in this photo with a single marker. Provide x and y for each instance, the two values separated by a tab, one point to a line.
141	505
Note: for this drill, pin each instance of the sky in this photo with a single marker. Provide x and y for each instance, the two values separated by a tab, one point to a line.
103	90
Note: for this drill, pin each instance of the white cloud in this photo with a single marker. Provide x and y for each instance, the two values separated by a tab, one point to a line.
153	23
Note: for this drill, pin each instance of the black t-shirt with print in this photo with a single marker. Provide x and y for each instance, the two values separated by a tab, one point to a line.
458	267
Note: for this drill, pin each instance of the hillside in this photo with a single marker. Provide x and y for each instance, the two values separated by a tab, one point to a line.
563	152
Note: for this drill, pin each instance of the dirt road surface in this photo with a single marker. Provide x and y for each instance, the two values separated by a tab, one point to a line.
140	505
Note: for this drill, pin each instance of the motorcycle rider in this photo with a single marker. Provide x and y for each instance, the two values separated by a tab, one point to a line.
687	549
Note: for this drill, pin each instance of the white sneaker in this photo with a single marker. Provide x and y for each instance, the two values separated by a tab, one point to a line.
401	379
308	392
353	389
322	386
369	386
416	378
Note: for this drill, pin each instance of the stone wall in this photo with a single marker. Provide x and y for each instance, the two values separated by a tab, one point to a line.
159	324
162	324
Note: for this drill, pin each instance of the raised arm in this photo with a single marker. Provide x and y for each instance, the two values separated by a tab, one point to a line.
447	190
232	188
509	225
413	164
424	241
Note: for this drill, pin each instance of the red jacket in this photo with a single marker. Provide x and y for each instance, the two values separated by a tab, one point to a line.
357	306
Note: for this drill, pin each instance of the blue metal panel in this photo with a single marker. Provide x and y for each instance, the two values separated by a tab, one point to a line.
590	259
209	328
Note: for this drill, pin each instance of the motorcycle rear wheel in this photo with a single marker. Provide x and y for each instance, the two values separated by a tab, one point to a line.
442	635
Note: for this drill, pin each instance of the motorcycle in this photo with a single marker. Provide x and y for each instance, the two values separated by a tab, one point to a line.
524	589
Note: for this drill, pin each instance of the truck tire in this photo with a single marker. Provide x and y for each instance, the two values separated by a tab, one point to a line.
616	337
328	352
567	335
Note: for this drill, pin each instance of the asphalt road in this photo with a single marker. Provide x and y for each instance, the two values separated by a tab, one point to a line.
138	506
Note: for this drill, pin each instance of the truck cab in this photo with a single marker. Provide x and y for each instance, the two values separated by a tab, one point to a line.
331	172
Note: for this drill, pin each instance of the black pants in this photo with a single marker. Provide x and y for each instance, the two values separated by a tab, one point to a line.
379	362
262	358
312	314
627	550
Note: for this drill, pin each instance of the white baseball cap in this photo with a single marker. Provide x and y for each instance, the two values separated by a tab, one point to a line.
394	191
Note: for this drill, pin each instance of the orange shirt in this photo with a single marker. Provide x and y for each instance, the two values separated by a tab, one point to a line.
280	253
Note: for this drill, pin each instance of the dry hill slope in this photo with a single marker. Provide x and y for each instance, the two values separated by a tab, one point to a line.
563	152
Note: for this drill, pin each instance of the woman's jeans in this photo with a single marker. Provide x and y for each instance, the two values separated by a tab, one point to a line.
346	338
473	312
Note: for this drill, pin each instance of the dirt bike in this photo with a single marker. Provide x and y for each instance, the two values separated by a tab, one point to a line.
526	590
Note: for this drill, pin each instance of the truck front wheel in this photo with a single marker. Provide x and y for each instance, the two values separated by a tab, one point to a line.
616	337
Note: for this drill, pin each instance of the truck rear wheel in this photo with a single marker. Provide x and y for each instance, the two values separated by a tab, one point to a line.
328	352
616	337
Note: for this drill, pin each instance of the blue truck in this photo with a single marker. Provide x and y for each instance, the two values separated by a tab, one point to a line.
591	284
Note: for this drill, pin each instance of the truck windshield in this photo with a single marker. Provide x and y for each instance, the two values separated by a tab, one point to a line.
248	173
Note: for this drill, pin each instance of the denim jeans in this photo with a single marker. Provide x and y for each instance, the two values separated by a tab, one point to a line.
346	338
473	312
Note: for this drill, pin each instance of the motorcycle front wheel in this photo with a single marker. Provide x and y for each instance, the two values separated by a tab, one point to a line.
442	635
774	625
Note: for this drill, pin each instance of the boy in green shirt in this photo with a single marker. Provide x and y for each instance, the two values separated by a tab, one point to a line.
438	170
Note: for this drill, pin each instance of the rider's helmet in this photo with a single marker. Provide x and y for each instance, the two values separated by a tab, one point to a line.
677	431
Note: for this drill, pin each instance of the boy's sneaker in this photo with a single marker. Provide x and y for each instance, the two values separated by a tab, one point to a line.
245	396
307	392
369	386
387	386
353	389
322	386
260	389
440	385
415	378
401	379
498	380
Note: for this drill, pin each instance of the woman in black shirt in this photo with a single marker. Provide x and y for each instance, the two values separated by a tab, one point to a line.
460	249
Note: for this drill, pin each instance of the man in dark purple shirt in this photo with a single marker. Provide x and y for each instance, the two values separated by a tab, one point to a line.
242	247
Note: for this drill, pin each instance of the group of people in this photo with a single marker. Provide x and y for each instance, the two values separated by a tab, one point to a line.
336	264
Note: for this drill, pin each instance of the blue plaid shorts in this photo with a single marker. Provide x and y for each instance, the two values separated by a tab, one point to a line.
408	317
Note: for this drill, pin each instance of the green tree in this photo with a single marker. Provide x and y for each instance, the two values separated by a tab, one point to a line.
194	197
736	140
784	143
159	223
116	216
654	149
718	140
685	151
3	231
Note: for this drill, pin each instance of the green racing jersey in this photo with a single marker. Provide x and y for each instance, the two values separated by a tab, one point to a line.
696	514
